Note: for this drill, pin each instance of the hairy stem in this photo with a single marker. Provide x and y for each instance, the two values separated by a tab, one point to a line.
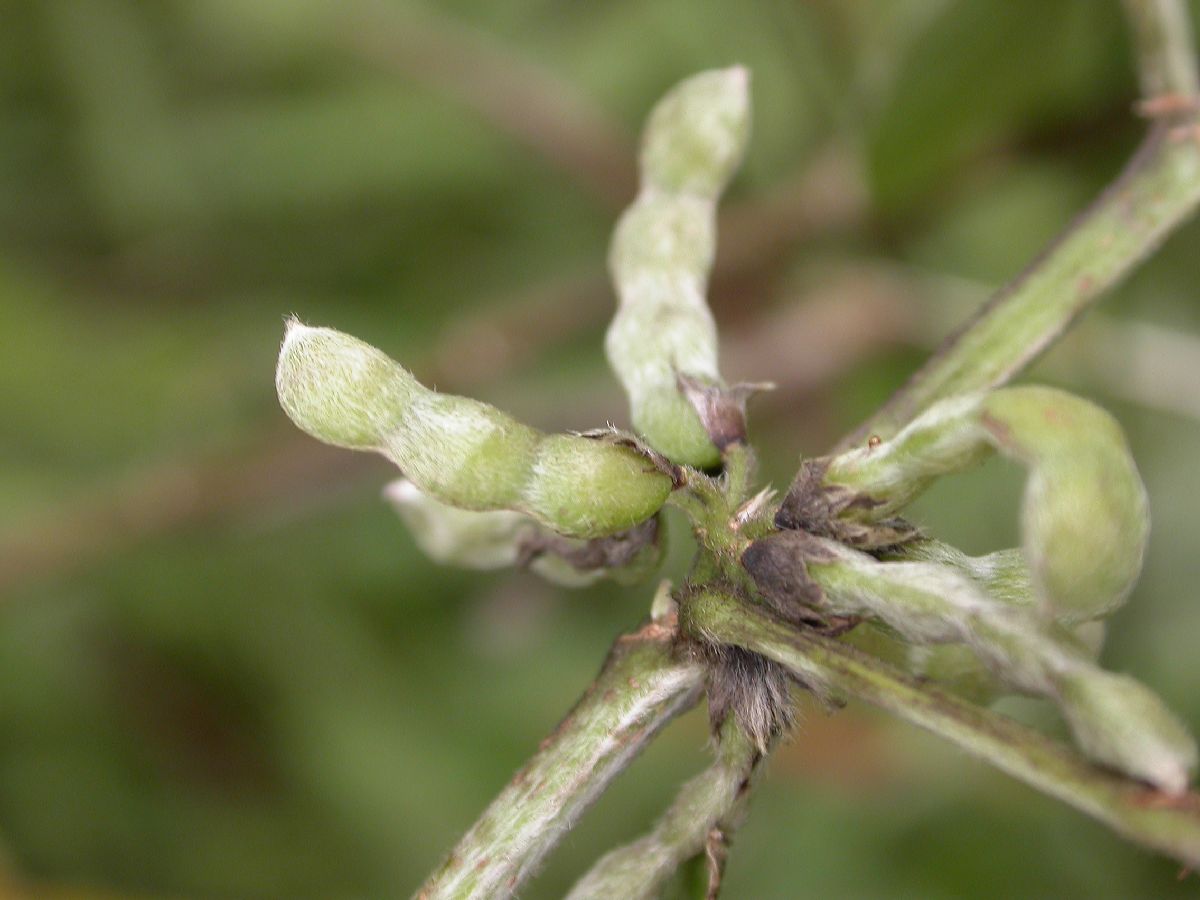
1169	824
641	688
699	821
1157	191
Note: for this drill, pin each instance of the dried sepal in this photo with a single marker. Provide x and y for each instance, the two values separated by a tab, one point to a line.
627	557
778	565
814	506
721	408
755	690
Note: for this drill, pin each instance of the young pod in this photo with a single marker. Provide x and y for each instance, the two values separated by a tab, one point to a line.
502	538
661	255
1121	723
1115	720
1084	516
462	452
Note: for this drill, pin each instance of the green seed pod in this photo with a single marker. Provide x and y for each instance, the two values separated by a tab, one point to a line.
695	136
958	668
1004	576
466	538
1115	720
498	539
339	389
661	255
1121	723
955	668
460	451
1085	518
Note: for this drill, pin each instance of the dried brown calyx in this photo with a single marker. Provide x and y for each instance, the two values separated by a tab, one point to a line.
820	509
721	408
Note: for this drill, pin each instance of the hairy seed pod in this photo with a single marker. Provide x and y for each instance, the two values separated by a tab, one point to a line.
1005	578
502	538
460	451
661	255
1085	518
1120	722
1115	720
467	538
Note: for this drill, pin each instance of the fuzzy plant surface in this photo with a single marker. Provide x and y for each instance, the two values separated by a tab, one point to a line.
825	587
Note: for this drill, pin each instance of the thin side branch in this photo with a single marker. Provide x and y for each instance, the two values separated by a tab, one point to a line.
1158	190
1166	59
1169	824
703	813
640	689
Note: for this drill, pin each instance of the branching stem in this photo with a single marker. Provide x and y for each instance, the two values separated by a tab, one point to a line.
708	803
1170	824
1157	191
640	689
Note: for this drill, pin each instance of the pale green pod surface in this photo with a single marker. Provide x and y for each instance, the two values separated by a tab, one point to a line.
923	602
472	539
591	488
945	438
339	389
460	451
458	537
959	669
648	344
1004	575
1121	723
663	233
463	452
956	668
672	426
696	135
1115	720
879	641
953	667
498	539
661	254
1085	516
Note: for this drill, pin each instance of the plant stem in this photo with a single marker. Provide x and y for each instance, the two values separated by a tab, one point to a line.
703	812
1169	824
741	465
1163	45
641	687
1157	191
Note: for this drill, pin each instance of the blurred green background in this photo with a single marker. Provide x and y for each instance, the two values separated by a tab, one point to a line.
225	671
